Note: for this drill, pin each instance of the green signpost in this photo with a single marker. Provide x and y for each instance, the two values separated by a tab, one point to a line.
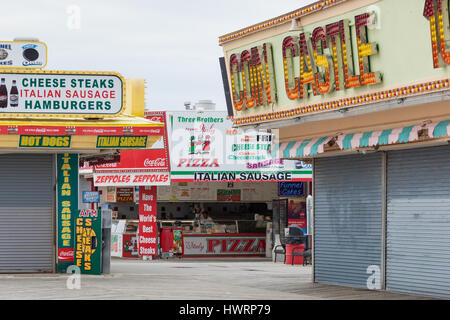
88	241
67	207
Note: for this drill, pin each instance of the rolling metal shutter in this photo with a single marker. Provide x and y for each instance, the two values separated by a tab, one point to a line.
26	213
418	221
347	219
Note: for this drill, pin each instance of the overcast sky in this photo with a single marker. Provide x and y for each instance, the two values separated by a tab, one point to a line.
172	44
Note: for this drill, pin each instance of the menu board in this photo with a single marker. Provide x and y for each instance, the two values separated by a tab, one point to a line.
198	191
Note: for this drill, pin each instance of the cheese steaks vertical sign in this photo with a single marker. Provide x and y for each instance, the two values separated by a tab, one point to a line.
67	206
147	221
88	248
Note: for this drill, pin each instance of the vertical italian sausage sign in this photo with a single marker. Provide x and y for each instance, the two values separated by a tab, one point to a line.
147	221
74	94
67	207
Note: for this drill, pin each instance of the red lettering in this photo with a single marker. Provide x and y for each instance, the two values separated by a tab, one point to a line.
182	162
215	163
249	244
212	244
261	247
234	244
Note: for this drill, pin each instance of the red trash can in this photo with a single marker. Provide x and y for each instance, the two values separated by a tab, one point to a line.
166	238
297	259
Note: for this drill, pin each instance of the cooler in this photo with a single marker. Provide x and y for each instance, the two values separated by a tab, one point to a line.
289	249
166	238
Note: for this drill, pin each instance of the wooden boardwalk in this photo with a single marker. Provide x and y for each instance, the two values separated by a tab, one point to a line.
189	279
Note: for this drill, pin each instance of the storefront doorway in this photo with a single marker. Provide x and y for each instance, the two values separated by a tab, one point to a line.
27	225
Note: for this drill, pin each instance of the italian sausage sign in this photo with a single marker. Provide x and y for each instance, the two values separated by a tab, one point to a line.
62	93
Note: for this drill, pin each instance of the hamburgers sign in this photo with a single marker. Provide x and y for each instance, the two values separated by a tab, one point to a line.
61	93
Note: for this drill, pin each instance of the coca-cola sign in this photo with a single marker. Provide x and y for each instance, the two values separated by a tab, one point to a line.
65	254
139	160
156	163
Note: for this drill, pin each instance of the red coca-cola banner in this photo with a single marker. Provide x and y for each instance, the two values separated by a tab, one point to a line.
82	130
138	161
36	130
147	221
155	159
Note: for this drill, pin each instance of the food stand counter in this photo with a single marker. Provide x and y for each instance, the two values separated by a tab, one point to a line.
221	238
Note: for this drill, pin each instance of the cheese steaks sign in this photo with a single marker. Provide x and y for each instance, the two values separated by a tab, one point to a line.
72	94
147	221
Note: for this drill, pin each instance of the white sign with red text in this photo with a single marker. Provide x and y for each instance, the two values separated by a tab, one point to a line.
204	147
147	240
132	179
224	245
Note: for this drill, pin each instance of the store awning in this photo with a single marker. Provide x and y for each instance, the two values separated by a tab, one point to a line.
353	141
299	149
123	132
380	138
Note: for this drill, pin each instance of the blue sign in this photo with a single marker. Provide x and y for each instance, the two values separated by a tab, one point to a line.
91	197
291	189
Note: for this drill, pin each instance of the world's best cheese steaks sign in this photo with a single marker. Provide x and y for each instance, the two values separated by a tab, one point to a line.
74	94
147	221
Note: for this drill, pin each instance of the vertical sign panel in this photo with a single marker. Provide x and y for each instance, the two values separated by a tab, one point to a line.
88	249
67	207
147	221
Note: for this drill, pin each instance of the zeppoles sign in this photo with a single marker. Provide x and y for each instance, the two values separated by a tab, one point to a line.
72	94
131	179
253	70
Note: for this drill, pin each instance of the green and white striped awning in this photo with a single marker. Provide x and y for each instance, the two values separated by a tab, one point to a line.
312	147
300	149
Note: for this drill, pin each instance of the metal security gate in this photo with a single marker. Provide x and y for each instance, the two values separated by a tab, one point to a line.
26	213
347	219
418	221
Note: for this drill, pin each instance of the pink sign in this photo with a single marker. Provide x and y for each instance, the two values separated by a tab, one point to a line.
147	221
